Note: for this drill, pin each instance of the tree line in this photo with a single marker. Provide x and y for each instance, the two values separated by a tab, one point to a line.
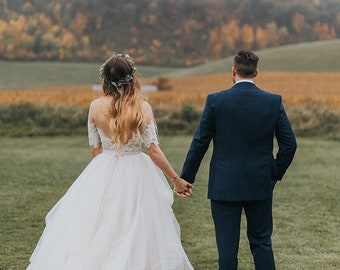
159	32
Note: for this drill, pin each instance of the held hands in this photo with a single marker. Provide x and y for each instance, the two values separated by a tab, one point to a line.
182	188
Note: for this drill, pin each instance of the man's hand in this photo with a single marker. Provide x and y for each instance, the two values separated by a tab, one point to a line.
182	188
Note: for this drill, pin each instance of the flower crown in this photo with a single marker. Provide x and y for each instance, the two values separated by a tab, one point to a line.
126	80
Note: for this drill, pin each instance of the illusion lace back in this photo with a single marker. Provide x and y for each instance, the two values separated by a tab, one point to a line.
116	215
97	137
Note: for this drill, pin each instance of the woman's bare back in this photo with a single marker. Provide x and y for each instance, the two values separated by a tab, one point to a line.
101	113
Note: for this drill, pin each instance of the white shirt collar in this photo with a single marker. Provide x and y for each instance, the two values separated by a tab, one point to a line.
245	80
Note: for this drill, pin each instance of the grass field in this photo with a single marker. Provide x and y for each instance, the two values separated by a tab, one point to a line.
35	173
304	57
35	74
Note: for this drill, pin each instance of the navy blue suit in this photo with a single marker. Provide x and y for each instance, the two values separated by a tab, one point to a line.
242	122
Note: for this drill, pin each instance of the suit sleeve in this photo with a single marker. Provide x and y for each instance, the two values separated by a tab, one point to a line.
286	142
200	143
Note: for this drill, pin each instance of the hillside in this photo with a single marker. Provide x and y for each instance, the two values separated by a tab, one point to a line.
159	32
320	56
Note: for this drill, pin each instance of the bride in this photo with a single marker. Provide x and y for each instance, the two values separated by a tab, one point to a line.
117	215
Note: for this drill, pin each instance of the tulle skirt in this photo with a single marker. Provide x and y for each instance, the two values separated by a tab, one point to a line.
117	215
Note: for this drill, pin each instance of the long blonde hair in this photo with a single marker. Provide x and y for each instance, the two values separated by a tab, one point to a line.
121	82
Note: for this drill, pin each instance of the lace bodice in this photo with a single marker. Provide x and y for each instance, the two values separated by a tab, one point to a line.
98	138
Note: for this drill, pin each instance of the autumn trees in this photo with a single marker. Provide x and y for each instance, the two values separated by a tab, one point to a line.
159	32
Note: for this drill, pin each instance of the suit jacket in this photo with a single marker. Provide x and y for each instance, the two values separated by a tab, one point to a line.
242	122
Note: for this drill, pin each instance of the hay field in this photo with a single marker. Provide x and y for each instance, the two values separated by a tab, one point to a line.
296	88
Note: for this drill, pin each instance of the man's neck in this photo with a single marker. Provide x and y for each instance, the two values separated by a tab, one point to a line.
249	80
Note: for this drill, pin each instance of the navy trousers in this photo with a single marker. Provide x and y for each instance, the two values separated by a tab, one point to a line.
227	220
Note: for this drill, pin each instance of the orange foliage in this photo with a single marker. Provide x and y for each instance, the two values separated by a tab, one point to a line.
231	34
298	22
79	23
295	88
324	31
247	35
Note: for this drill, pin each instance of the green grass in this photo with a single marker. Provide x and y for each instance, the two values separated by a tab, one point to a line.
317	56
35	173
33	74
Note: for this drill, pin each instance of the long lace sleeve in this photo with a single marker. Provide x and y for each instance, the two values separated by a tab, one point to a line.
149	135
94	138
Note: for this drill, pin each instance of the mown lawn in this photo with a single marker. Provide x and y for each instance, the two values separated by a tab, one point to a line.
35	172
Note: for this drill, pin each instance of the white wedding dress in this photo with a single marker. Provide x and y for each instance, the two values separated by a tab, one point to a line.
117	215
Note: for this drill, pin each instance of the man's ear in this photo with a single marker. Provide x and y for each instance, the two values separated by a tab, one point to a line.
233	70
256	72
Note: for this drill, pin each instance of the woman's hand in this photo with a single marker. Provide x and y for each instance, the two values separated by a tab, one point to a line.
182	188
96	151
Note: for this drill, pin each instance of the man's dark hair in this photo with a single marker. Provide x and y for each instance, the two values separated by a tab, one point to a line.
245	63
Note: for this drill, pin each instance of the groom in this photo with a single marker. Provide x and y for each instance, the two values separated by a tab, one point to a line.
242	122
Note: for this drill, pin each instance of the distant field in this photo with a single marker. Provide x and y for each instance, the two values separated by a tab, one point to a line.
321	56
296	89
21	75
312	98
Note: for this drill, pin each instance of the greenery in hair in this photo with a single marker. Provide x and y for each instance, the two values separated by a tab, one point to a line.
127	79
